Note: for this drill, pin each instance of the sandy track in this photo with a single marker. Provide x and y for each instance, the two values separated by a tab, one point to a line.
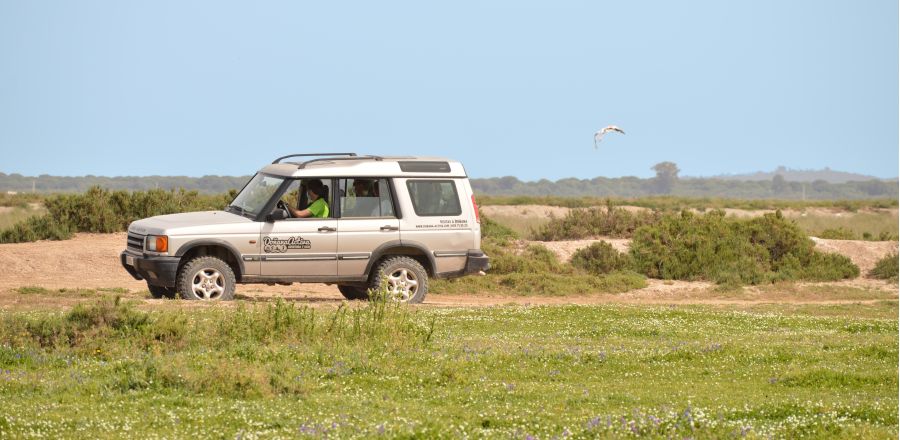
91	261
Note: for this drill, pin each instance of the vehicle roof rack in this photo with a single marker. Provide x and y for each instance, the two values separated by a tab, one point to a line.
303	165
312	155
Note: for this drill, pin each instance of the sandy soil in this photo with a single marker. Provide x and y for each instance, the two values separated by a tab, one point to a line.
524	211
90	261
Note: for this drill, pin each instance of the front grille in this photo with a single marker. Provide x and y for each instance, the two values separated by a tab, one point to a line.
136	242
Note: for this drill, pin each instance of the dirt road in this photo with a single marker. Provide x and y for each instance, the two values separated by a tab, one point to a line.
90	261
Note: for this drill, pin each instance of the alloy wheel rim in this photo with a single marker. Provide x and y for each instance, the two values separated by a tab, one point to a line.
208	284
403	284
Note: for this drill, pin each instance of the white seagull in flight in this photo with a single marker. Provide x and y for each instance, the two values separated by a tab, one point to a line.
598	136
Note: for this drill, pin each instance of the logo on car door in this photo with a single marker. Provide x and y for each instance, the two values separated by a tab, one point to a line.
281	245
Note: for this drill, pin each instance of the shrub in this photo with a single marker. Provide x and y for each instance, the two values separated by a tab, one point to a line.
733	251
37	228
601	258
101	210
840	233
536	270
491	230
887	268
608	221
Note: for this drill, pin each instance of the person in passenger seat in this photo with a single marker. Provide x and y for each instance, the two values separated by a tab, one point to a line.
318	206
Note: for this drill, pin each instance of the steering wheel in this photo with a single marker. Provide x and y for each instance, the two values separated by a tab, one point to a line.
283	206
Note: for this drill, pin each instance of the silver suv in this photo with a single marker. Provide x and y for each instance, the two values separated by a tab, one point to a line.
389	220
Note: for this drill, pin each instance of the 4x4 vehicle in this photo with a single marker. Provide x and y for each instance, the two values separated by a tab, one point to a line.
390	220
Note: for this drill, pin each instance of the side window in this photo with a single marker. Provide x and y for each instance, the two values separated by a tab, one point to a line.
365	197
434	197
296	195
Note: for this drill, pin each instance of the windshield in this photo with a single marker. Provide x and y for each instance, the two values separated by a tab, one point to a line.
254	196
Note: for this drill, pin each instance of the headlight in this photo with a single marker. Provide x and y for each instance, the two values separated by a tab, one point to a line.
157	243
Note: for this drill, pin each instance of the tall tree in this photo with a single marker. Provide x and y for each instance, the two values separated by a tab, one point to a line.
666	176
779	185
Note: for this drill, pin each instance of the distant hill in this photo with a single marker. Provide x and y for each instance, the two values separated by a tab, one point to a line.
826	174
816	187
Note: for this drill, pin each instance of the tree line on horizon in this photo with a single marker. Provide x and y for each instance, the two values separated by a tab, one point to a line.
665	182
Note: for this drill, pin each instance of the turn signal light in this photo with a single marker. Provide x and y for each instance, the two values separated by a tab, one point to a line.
158	243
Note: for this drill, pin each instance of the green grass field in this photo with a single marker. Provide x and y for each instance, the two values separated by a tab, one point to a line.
277	371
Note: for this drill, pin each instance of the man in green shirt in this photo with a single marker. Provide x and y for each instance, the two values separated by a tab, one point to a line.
318	206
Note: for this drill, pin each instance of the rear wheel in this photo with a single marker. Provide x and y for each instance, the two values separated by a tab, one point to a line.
405	278
161	291
206	278
353	292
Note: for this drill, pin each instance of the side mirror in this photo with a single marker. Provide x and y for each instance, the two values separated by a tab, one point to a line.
276	215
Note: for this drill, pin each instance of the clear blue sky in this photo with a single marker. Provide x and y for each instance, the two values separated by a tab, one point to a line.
508	87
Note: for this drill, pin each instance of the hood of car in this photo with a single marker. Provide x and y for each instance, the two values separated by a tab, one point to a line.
173	223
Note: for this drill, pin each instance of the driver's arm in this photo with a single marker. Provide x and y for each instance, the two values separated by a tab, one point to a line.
303	213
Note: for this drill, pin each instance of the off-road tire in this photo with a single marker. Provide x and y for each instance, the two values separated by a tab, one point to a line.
353	292
159	292
393	269
210	275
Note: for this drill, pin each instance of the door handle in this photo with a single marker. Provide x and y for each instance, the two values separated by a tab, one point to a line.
327	229
390	228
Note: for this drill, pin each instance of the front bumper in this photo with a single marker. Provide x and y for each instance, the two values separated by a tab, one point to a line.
476	261
159	271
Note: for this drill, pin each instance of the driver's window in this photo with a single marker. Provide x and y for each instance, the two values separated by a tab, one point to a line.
291	197
296	196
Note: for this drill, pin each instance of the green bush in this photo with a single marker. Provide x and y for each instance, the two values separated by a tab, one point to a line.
601	258
840	233
609	221
733	251
43	227
887	268
101	210
535	270
491	230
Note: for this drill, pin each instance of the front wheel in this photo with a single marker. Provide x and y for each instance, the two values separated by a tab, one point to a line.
206	278
405	278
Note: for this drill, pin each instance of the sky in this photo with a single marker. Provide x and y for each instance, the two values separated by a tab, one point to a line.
507	87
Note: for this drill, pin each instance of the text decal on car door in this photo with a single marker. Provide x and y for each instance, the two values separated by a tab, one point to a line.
281	245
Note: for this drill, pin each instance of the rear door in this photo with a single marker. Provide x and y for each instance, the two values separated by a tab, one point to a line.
367	221
439	222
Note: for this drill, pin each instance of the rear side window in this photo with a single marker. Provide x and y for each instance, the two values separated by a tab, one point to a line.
367	197
434	197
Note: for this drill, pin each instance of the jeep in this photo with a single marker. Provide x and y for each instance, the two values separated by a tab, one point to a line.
385	221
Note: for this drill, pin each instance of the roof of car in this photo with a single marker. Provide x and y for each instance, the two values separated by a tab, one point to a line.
368	166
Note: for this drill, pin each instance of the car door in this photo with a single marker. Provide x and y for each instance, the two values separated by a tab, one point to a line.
300	247
367	221
437	221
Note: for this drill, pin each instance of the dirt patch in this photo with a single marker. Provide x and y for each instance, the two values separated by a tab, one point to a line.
863	253
565	249
91	261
